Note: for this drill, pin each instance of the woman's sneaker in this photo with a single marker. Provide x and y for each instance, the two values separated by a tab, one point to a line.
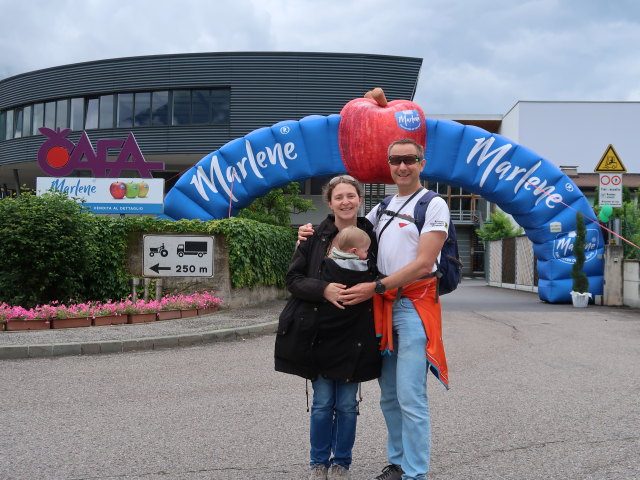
318	472
390	472
337	472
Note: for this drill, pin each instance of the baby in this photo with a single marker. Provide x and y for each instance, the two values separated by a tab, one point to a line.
352	249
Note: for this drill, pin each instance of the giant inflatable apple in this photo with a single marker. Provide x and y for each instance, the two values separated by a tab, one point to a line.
369	125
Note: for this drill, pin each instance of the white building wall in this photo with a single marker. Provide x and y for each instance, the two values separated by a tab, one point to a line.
577	133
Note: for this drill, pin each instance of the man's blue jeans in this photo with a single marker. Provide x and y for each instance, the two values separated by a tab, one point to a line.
403	394
333	422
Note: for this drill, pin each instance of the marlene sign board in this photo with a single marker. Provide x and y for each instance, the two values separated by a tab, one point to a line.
109	195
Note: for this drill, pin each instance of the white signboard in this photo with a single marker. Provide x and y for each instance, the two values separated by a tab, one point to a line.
109	195
177	256
610	191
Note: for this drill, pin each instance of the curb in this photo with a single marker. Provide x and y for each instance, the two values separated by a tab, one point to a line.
14	352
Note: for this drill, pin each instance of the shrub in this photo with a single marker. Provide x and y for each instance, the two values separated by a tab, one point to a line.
580	279
498	226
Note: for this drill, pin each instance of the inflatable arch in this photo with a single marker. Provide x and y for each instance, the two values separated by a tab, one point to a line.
533	190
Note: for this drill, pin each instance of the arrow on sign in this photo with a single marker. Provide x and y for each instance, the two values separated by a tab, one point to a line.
156	268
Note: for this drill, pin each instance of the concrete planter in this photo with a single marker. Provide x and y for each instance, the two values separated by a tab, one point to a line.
72	322
17	324
580	300
192	312
141	317
108	320
169	314
207	311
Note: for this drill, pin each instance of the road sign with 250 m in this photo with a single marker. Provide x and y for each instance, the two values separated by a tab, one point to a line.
177	256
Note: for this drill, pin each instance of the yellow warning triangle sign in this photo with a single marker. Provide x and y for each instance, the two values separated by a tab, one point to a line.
610	162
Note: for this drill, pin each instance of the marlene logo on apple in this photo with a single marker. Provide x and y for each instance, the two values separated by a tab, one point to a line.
408	120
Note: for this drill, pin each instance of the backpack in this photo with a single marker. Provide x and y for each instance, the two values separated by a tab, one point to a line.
449	269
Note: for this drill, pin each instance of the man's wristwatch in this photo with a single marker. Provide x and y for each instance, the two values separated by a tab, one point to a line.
380	288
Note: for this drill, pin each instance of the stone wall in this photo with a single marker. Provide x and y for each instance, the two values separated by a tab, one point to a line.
220	282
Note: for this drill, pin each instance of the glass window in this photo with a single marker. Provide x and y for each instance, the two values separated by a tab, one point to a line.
50	115
142	109
62	113
26	122
17	117
106	111
220	105
160	108
77	114
91	119
181	107
3	123
8	130
125	110
316	185
38	117
200	107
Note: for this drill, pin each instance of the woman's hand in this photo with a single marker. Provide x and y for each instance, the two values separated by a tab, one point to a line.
332	292
304	231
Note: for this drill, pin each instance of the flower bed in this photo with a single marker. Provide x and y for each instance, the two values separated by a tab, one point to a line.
103	313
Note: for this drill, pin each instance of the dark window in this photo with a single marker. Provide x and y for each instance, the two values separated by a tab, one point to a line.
181	107
142	109
106	111
26	122
220	105
316	184
200	107
38	117
160	108
62	113
125	110
50	115
8	135
91	119
77	113
3	126
17	130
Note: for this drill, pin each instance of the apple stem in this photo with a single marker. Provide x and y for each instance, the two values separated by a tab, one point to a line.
378	95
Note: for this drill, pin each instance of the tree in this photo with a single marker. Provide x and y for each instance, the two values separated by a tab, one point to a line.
580	279
276	207
498	226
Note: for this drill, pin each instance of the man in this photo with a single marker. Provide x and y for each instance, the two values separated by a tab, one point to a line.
408	321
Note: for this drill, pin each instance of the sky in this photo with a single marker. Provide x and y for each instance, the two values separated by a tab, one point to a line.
479	57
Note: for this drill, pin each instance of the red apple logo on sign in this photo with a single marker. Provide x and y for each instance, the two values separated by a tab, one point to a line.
118	190
369	125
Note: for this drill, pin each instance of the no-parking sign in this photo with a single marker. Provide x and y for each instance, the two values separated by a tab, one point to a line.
610	192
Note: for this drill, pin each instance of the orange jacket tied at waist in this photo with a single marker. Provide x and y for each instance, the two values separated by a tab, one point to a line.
423	295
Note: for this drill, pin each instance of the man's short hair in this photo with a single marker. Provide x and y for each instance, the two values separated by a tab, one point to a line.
407	141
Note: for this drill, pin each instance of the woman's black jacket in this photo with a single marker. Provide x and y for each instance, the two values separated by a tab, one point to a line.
314	336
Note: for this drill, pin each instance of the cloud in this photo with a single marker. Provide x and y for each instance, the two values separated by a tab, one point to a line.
479	57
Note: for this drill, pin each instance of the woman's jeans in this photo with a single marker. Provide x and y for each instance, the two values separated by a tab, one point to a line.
403	394
333	422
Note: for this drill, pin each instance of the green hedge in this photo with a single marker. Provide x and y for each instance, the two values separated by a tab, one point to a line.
52	249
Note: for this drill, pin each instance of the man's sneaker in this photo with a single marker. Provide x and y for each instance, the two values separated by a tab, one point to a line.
390	472
337	472
318	472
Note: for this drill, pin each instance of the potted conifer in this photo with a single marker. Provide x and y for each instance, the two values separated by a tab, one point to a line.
580	294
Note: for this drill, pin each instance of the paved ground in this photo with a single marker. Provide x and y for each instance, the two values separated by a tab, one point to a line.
538	392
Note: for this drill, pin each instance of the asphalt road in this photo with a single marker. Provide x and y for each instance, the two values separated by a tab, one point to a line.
538	392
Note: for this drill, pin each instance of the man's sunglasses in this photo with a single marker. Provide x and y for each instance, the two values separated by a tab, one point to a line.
407	159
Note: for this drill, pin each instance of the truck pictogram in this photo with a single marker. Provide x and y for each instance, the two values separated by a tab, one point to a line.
192	248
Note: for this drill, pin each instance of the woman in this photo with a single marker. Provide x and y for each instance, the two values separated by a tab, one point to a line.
321	340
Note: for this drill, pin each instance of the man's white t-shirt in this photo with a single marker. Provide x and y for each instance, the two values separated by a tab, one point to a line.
398	245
